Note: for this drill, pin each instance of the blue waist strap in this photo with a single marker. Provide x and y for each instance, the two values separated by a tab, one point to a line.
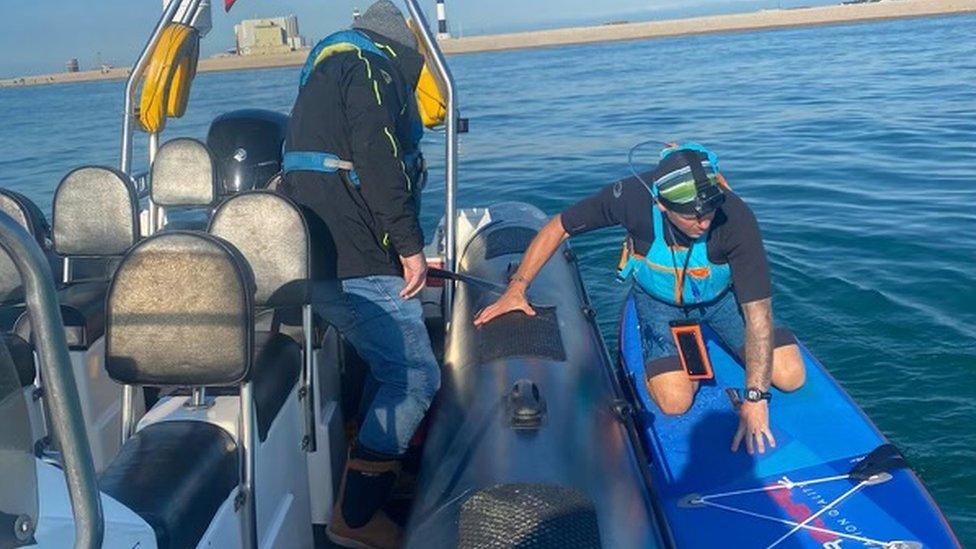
312	161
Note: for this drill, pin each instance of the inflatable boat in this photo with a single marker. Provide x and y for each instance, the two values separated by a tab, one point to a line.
527	440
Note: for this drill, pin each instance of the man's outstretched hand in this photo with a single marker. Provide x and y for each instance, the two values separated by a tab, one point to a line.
754	428
414	274
512	300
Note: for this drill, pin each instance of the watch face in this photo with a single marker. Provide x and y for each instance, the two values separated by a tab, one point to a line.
755	395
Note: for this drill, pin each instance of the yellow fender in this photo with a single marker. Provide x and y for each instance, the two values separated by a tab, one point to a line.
166	87
430	100
429	92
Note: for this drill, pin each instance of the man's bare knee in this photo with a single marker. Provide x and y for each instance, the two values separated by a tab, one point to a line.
674	405
673	392
789	373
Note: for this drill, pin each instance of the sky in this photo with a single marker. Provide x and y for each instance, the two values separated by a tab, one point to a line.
40	36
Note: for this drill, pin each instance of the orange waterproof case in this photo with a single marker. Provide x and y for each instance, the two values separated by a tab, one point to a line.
692	353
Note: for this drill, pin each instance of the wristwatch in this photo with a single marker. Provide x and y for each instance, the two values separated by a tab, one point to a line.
755	394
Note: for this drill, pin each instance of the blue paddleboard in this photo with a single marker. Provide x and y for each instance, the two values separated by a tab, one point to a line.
802	493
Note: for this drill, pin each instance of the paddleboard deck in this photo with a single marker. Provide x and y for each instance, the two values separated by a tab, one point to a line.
802	493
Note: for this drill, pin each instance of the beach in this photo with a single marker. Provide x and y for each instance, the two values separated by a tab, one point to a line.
755	21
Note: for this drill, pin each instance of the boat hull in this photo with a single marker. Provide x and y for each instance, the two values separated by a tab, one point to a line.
478	463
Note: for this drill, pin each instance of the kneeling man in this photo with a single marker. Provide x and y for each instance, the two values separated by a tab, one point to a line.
694	252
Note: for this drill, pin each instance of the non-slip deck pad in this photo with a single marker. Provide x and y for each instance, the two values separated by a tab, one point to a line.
494	243
797	495
517	334
528	516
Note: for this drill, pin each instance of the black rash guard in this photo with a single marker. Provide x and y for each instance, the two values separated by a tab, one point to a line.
356	107
733	237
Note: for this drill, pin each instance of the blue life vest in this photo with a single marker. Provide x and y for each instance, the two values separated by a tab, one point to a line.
330	162
660	272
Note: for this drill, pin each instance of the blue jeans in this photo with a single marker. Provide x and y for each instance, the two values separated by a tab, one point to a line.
723	316
389	333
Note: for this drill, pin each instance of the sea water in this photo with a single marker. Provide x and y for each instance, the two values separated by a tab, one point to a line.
854	145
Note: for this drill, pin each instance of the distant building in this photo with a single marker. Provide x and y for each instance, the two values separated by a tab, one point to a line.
268	36
71	65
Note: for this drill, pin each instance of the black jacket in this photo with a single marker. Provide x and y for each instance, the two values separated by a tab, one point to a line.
357	106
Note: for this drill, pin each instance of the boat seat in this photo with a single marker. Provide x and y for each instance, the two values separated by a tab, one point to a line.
95	214
183	181
288	321
175	475
180	313
277	366
272	235
22	354
94	224
26	212
29	216
82	311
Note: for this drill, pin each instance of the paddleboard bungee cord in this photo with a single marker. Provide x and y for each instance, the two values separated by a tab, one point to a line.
786	484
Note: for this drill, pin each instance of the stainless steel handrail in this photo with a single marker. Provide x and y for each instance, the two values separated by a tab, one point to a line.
62	403
450	161
125	162
249	513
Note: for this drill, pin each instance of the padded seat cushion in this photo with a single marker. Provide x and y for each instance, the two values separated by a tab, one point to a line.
277	367
23	357
83	313
175	475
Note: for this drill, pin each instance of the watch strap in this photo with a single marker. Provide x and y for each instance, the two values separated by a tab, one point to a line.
755	394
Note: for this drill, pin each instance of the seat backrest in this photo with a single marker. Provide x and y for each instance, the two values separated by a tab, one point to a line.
270	232
179	311
25	212
95	213
183	174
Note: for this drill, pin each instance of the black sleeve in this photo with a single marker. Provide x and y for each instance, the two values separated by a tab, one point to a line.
626	203
372	107
746	254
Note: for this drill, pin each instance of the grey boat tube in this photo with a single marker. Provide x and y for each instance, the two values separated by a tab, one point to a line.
526	438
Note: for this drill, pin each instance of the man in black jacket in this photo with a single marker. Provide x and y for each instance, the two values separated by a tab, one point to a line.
352	157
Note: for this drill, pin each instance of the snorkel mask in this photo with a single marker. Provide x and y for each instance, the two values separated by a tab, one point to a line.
687	180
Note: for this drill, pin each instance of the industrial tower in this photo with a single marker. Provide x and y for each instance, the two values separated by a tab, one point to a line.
442	31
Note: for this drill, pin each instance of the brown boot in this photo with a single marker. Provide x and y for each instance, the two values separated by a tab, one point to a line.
369	483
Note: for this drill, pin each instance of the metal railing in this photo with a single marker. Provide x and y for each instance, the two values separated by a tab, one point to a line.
129	114
62	403
443	73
